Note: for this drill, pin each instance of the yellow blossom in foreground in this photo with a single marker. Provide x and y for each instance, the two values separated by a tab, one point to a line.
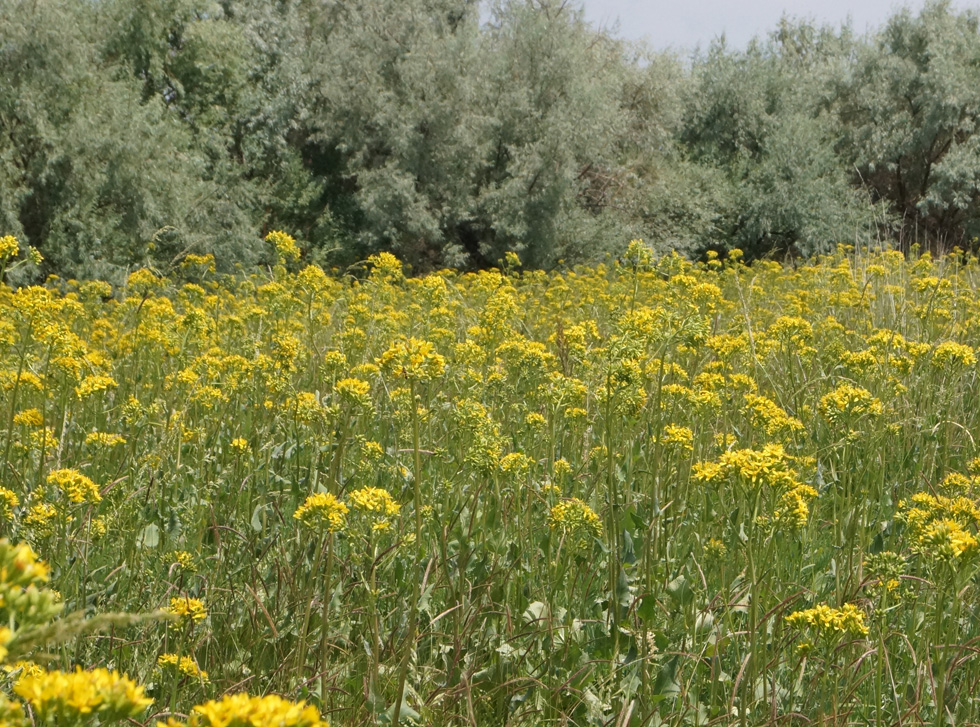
847	401
242	710
678	436
946	540
322	511
63	698
29	418
356	392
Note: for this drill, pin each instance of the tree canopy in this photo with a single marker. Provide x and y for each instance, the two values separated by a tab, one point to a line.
451	131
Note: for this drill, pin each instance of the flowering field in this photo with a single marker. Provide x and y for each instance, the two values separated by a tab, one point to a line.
653	492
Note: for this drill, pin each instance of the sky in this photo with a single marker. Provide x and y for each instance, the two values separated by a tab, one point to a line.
684	24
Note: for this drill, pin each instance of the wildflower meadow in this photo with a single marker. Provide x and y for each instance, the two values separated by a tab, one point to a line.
649	492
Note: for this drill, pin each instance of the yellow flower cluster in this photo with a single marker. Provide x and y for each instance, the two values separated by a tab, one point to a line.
187	610
29	418
373	500
830	623
242	710
93	385
183	665
240	445
576	522
8	501
284	244
754	467
65	698
77	487
848	402
794	508
678	436
947	540
950	354
770	417
941	527
322	511
413	359
354	392
9	247
104	439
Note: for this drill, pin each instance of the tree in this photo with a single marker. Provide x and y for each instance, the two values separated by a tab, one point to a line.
910	113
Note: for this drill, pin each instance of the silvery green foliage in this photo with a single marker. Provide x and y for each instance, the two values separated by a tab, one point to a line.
760	118
451	131
91	167
910	113
465	141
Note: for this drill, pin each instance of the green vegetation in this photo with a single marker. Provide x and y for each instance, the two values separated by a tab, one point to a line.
133	132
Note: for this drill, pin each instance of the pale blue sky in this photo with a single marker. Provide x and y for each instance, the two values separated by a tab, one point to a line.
683	24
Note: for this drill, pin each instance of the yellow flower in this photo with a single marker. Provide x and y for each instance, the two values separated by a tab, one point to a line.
8	501
374	500
29	418
673	434
322	511
187	610
385	266
93	385
66	697
413	359
104	439
951	354
516	464
76	486
830	623
355	392
182	665
576	522
769	416
242	710
8	247
6	636
182	559
240	445
847	402
40	519
946	540
143	281
285	245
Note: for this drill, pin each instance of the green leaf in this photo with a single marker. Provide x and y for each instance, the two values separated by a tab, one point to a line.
150	537
680	591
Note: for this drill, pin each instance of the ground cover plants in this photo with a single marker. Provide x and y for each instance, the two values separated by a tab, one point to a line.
646	492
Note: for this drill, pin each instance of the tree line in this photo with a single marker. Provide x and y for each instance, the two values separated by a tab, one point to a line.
134	132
